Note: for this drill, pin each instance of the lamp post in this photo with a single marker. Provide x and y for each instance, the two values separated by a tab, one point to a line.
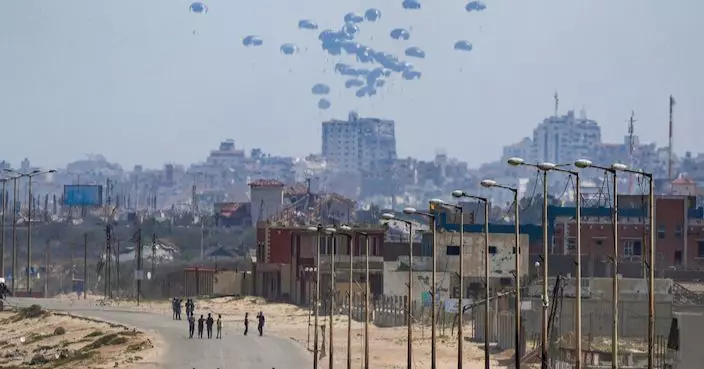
367	314
487	362
409	317
613	169
2	225
333	289
651	262
488	183
543	167
433	294
345	231
29	176
460	332
320	231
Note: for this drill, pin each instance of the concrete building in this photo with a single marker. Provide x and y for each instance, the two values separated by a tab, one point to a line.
285	258
362	145
266	199
563	139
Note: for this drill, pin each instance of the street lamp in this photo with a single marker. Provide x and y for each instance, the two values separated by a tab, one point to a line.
2	225
433	294
613	169
346	231
409	318
651	261
320	231
458	209
545	168
488	183
578	262
29	176
458	194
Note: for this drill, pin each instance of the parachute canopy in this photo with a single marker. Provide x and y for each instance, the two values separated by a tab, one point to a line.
289	49
475	6
323	104
307	24
415	52
252	41
320	89
411	4
372	15
353	18
463	46
400	34
199	8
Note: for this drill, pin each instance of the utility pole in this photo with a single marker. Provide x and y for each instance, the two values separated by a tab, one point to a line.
153	253
317	299
409	314
669	146
367	313
614	343
349	303
14	233
117	265
460	333
46	269
139	264
29	234
85	266
546	302
333	245
2	230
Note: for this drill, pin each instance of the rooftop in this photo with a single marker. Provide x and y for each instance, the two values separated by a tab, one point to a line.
265	183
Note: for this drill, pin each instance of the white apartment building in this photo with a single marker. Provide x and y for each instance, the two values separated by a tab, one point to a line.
360	145
563	139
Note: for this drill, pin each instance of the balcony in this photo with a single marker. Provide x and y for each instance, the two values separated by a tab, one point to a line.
342	262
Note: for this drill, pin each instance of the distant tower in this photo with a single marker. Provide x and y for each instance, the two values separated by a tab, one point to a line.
557	103
631	149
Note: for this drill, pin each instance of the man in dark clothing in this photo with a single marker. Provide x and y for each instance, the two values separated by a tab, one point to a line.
246	323
178	308
200	326
173	308
209	324
191	325
260	326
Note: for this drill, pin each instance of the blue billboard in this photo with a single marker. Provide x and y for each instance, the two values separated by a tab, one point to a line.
83	195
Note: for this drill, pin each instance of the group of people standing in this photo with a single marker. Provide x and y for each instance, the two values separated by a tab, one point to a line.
208	322
176	307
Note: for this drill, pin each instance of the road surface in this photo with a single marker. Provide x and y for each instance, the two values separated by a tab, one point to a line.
234	351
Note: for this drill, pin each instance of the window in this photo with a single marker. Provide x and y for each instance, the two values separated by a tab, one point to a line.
452	250
632	248
571	243
661	231
700	248
678	231
492	250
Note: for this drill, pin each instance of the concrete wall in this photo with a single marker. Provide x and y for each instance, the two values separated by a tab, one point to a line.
396	281
502	263
231	283
690	355
265	202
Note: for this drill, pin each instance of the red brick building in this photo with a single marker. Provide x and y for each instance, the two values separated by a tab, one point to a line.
679	237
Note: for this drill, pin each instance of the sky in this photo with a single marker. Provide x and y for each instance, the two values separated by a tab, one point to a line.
148	82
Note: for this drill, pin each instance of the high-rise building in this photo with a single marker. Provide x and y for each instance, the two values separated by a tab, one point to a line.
563	139
361	145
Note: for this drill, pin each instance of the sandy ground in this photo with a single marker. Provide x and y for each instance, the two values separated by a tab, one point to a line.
387	346
52	340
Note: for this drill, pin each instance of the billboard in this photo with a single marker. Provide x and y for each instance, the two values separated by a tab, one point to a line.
83	195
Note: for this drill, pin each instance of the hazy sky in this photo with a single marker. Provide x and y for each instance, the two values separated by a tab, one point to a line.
130	79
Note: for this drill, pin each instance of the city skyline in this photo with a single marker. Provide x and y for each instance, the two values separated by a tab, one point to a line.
135	84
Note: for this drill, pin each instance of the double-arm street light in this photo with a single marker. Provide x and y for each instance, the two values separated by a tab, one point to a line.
651	260
434	289
457	208
346	232
320	231
488	183
409	315
545	168
30	204
458	194
2	225
613	169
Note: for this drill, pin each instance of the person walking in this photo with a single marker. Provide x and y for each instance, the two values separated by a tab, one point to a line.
260	326
173	308
246	323
219	327
200	326
178	308
209	325
191	325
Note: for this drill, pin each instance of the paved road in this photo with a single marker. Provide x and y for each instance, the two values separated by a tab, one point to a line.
234	351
